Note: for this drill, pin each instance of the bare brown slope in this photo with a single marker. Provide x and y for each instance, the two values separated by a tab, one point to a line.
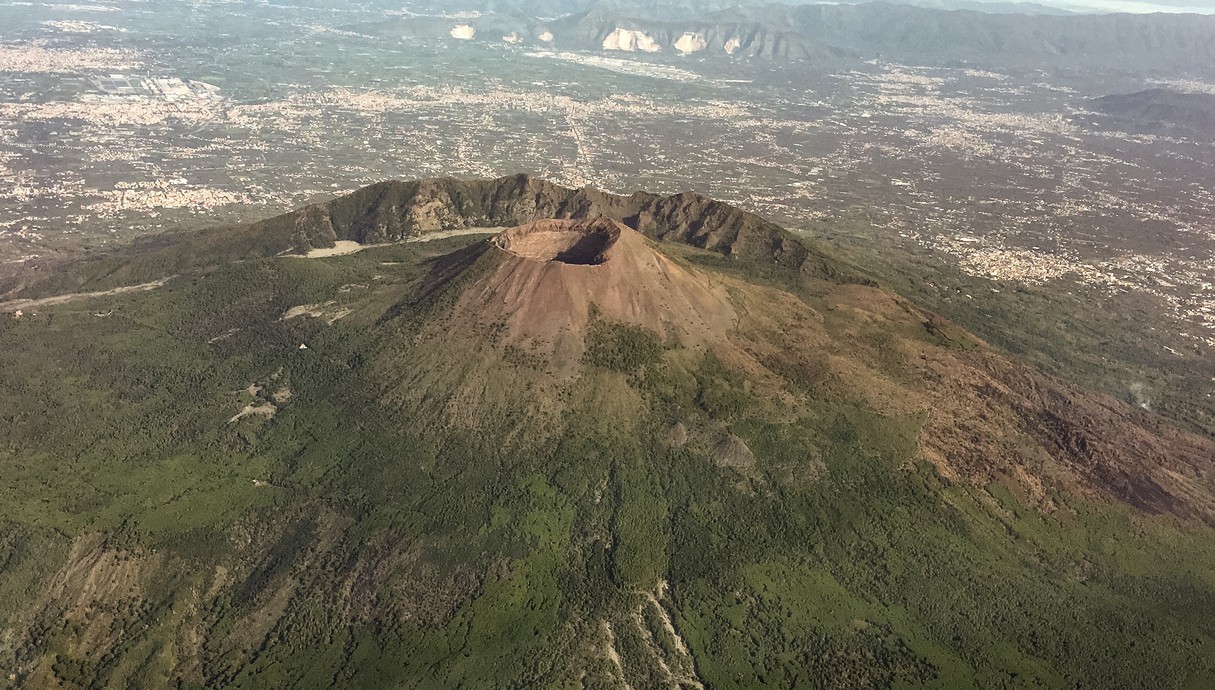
548	274
978	415
984	417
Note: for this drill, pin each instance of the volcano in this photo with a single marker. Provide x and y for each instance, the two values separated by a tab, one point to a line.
572	439
575	242
550	274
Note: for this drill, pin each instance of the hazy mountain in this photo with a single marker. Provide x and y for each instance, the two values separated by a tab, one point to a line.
1120	41
1194	111
635	441
1175	43
682	9
990	6
724	34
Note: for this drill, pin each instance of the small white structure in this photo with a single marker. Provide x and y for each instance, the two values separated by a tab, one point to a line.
463	32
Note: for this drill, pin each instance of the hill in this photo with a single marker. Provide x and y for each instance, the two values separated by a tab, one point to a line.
1192	111
1128	42
529	436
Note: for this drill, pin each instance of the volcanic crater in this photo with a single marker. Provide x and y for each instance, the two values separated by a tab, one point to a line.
579	242
551	275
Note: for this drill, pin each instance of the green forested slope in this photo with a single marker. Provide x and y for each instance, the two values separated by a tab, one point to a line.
670	518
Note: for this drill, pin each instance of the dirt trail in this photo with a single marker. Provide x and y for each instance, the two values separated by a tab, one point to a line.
23	304
266	410
444	234
345	247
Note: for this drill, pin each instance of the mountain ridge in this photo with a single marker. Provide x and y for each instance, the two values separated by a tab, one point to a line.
1191	111
828	34
394	210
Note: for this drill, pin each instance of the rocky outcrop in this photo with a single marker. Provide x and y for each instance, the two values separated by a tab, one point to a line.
392	211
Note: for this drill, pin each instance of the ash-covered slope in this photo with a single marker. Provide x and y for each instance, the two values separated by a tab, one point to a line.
605	442
542	287
553	278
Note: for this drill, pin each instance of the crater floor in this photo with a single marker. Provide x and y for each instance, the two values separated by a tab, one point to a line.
578	242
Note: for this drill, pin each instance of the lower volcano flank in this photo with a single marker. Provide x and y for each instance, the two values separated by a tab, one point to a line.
578	242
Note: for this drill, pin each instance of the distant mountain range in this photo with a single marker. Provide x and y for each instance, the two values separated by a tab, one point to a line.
1174	43
683	8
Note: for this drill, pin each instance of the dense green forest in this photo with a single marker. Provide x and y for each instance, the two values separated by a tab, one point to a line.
662	521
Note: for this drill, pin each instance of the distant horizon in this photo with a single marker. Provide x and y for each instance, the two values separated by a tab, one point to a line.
1073	6
1117	6
1132	6
1077	6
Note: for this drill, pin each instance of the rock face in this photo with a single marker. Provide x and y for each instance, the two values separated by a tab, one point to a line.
630	41
691	43
732	451
723	34
577	242
391	211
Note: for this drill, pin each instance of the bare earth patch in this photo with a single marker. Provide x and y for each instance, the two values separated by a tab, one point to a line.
444	234
326	310
266	410
339	248
23	304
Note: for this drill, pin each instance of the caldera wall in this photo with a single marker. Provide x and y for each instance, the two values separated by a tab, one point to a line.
575	242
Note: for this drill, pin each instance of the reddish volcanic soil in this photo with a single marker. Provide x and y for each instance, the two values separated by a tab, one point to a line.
976	414
550	272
